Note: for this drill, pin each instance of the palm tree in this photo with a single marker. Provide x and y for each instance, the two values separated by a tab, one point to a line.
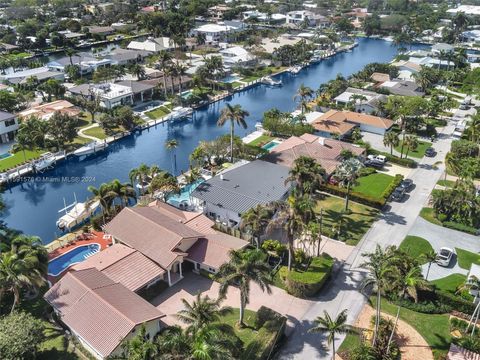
472	283
411	143
104	195
139	175
411	282
391	139
331	327
140	347
347	174
70	52
171	145
430	258
255	220
243	268
164	182
32	251
202	312
236	115
181	70
164	61
473	129
304	93
307	175
15	275
124	191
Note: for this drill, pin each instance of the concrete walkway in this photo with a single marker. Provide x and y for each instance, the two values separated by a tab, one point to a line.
82	134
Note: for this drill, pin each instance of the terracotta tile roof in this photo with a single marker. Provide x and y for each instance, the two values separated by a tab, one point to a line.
124	265
213	250
356	118
325	151
99	310
380	77
459	353
332	125
44	111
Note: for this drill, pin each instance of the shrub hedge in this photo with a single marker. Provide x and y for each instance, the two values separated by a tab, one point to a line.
393	185
454	302
374	202
410	163
460	227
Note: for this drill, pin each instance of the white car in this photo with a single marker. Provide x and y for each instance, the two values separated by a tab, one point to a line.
444	256
379	158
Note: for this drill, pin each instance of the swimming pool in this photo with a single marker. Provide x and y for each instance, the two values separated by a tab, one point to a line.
72	257
184	196
5	155
147	106
272	144
230	78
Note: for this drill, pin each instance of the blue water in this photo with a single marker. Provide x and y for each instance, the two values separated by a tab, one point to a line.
33	206
272	144
78	254
230	79
184	194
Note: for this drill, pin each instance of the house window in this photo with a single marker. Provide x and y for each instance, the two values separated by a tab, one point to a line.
9	122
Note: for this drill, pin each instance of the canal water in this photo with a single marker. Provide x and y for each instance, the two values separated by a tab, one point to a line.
32	206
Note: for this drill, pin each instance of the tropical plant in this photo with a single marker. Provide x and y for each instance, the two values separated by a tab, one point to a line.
255	220
171	145
139	347
140	176
304	93
236	115
391	139
332	327
306	174
411	282
430	258
347	174
411	143
105	195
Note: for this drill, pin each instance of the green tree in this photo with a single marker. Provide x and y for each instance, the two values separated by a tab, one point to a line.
255	220
326	325
306	174
171	146
411	282
62	128
411	143
236	115
391	139
347	174
304	93
430	258
139	175
105	196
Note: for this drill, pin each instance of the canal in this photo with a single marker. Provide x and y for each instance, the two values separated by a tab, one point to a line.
32	206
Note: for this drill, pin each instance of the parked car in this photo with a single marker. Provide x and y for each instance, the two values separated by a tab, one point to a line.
398	194
406	184
444	256
464	107
380	158
374	164
430	152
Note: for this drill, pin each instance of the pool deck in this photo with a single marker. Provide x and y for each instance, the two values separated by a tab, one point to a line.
95	237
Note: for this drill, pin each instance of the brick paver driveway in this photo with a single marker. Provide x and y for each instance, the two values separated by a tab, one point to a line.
169	301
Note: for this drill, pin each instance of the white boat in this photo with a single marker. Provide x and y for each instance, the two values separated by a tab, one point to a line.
180	112
267	80
46	161
91	148
76	214
295	69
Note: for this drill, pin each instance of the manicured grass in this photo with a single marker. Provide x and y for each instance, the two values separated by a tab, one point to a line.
419	152
446	183
262	140
158	113
236	84
416	246
373	185
429	215
19	158
466	258
434	328
353	225
97	132
352	340
450	283
317	270
250	78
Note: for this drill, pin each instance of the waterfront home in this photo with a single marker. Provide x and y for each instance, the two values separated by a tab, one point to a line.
152	45
406	69
226	196
8	127
45	111
300	17
341	123
401	87
7	48
471	36
100	312
85	62
100	32
120	56
264	17
327	152
442	48
219	32
141	90
367	102
41	74
217	12
432	62
378	77
237	56
270	45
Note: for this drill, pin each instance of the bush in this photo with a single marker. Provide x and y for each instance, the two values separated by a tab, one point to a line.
460	227
265	314
393	185
365	171
410	163
354	196
428	307
459	304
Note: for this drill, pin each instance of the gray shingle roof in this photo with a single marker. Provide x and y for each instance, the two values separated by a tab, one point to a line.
246	186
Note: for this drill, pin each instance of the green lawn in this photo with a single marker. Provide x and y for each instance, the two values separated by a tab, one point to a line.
158	112
352	340
354	225
450	283
429	215
97	132
419	152
250	78
446	183
415	246
19	158
262	140
236	84
373	185
434	328
466	258
318	268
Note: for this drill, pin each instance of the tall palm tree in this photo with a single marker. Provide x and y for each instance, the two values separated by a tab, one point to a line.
411	282
70	52
201	312
473	129
171	145
105	195
391	139
325	324
236	115
306	174
243	268
255	220
125	192
139	175
181	70
430	258
164	62
164	182
411	143
16	275
32	251
347	174
303	94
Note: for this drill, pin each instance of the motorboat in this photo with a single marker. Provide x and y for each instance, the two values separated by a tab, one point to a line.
267	80
45	162
295	69
91	148
180	112
76	213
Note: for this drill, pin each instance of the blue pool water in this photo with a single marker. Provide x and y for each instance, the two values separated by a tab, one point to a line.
33	206
5	155
272	144
78	254
230	79
184	195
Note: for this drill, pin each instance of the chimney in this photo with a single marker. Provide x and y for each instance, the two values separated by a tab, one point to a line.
321	140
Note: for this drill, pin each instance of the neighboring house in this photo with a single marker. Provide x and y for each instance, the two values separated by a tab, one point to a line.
217	12
459	353
100	312
349	120
7	48
326	152
152	45
441	48
407	69
270	45
142	91
86	62
402	88
41	74
8	127
432	62
120	56
226	196
473	274
100	31
471	36
70	35
158	82
45	111
380	77
237	56
110	94
368	104
299	17
215	33
330	127
466	9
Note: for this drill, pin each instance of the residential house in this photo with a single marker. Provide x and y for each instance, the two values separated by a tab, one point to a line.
364	101
341	123
215	33
152	45
142	91
237	56
7	48
299	17
85	61
226	196
70	35
442	48
100	31
380	77
432	62
406	69
8	127
472	10
110	94
326	152
120	56
45	111
270	45
471	36
402	87
217	12
100	312
41	74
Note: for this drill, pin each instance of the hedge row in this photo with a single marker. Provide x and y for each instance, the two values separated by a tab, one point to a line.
374	202
460	227
410	163
393	185
454	302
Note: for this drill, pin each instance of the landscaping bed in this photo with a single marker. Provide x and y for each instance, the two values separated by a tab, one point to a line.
429	214
419	152
18	158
